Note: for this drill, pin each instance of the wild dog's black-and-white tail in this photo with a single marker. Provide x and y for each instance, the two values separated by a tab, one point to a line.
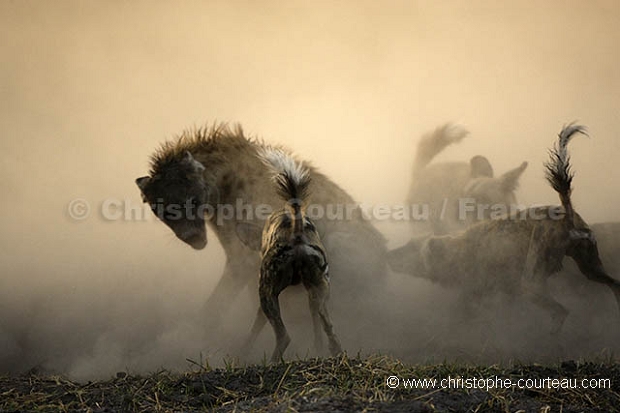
292	180
434	142
558	170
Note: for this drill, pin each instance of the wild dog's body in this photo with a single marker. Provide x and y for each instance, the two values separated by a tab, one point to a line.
515	255
220	167
442	185
291	253
489	256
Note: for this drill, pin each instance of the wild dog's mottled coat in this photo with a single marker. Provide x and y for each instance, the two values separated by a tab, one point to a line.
291	253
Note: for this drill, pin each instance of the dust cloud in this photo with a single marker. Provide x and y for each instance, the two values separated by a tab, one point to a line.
90	89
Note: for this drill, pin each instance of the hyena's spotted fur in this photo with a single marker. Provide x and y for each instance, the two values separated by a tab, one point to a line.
291	253
515	255
441	186
219	166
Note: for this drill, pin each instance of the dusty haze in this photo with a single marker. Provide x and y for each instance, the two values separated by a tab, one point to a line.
89	90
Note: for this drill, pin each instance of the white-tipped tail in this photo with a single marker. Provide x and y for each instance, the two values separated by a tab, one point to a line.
283	163
291	177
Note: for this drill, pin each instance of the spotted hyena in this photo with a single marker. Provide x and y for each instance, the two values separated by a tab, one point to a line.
218	178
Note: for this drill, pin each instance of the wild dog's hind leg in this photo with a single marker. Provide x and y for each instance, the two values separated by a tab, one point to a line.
600	276
315	306
320	294
271	307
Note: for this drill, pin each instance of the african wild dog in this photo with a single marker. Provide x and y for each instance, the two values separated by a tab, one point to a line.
515	255
219	168
442	185
291	253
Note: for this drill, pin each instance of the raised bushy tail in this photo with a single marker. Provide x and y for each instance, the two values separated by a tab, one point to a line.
558	170
292	180
434	142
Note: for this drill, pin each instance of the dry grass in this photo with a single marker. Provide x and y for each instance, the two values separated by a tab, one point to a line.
333	384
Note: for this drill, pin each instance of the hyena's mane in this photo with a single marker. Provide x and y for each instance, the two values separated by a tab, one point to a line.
207	138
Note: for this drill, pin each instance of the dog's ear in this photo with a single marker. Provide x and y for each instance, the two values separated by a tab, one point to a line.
250	234
480	167
510	179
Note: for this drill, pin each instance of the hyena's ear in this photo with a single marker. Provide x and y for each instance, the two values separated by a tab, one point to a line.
188	159
480	167
510	179
142	182
250	234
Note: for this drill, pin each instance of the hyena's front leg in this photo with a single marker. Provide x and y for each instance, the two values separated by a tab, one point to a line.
257	327
236	276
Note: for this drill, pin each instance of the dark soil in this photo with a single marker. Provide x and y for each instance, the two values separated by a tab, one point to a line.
340	384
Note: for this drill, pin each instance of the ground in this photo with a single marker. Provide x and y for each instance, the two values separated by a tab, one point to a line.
315	385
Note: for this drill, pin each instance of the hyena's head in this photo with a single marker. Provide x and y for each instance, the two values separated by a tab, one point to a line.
177	194
494	192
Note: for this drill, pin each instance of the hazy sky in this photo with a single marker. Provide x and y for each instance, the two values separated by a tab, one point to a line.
90	88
